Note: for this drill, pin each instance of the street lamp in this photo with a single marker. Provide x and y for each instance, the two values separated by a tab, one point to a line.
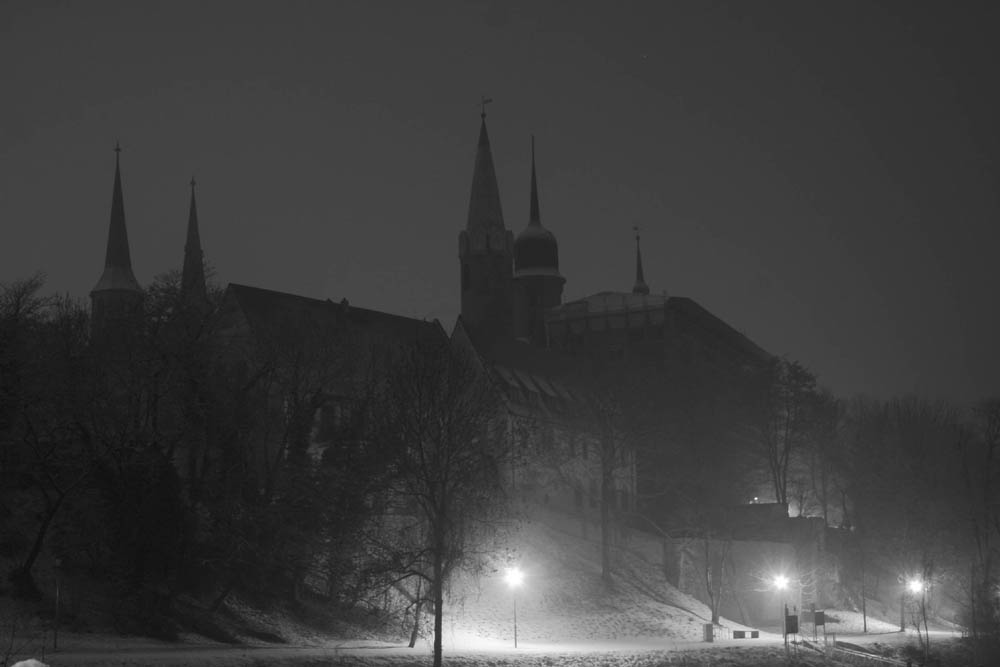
514	578
913	586
780	583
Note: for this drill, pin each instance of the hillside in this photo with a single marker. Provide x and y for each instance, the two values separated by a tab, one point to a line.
563	597
563	609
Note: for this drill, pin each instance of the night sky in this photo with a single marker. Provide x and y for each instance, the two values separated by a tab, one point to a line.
823	176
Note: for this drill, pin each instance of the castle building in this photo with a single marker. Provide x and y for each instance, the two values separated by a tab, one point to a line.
551	362
551	356
544	354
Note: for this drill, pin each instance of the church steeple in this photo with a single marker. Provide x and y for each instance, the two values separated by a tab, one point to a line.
485	212
640	286
534	217
117	294
193	274
485	250
537	283
117	259
535	250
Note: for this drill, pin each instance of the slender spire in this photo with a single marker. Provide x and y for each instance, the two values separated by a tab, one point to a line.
117	259
193	274
485	213
535	218
640	286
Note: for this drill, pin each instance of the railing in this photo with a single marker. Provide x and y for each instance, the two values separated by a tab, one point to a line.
843	649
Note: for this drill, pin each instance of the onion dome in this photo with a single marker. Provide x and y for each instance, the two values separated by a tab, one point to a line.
536	251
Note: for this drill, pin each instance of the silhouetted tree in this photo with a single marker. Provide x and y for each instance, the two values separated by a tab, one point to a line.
783	411
437	412
42	358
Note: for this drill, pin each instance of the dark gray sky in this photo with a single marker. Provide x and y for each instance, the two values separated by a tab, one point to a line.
821	175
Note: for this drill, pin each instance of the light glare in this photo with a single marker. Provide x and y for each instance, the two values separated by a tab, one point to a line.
514	577
915	585
781	582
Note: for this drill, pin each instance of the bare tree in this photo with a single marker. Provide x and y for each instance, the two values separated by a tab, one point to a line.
980	464
439	416
782	414
42	346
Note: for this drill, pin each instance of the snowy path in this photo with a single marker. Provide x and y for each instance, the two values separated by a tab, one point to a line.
642	652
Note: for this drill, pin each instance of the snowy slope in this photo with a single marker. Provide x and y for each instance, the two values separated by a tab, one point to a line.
563	597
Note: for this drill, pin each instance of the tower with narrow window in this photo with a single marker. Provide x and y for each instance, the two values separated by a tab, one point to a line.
117	298
537	282
485	252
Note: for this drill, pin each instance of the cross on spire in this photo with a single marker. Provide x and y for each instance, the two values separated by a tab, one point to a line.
483	101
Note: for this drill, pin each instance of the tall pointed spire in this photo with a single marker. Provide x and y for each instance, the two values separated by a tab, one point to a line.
485	249
117	259
116	300
537	282
535	250
193	274
534	217
640	286
485	213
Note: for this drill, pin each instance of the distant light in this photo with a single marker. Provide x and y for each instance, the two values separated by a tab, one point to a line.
514	577
915	585
781	582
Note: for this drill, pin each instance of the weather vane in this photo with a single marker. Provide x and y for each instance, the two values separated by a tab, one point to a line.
483	101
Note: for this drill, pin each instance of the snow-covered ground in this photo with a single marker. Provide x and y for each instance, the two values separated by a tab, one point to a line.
566	616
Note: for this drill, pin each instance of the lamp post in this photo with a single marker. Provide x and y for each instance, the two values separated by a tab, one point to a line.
55	629
514	578
780	583
914	585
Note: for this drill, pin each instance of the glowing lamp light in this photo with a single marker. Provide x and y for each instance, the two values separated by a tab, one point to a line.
514	577
915	585
780	582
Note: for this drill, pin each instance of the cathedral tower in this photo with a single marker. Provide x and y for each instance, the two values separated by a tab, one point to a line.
537	282
485	252
117	297
193	290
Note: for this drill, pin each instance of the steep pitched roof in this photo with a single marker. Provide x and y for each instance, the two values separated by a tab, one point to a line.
533	380
294	319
